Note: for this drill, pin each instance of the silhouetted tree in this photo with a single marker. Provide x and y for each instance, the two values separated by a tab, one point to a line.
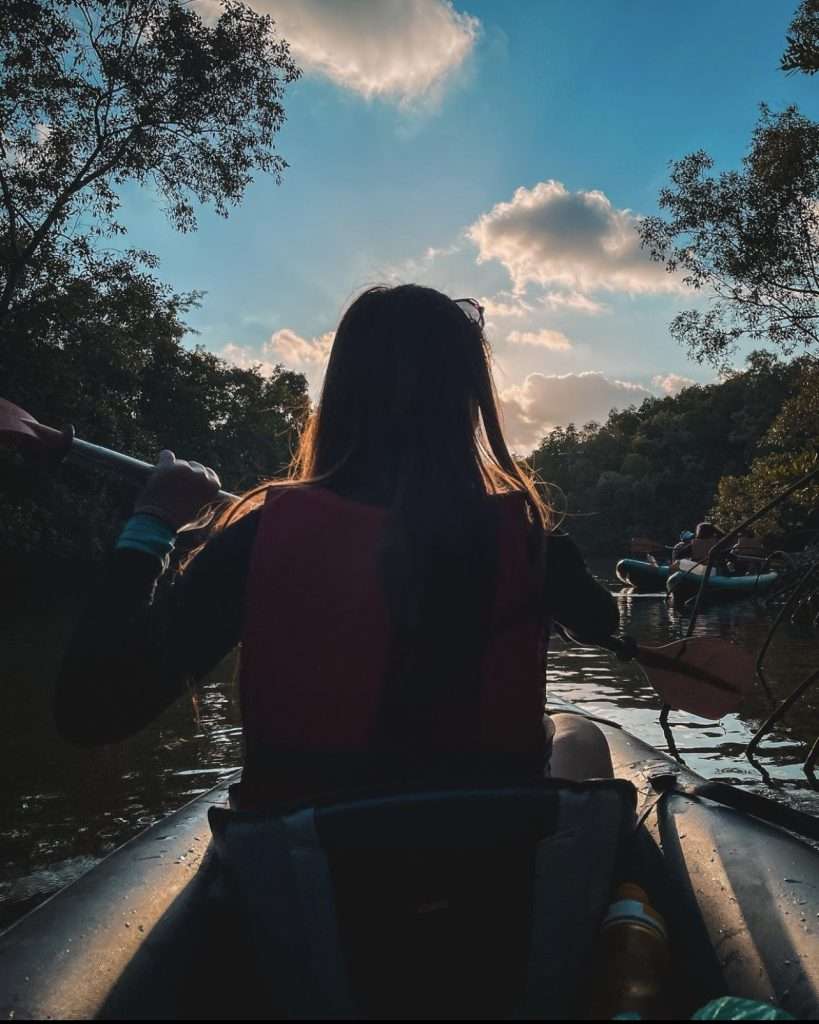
97	93
654	470
787	451
749	237
802	52
105	354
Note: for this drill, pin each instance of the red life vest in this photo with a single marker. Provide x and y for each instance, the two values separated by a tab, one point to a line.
316	647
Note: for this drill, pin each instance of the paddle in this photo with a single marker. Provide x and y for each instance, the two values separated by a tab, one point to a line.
706	676
19	429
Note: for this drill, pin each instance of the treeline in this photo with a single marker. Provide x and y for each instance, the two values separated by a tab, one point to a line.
716	451
106	355
95	97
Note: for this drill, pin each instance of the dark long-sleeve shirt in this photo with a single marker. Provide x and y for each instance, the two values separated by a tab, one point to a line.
137	647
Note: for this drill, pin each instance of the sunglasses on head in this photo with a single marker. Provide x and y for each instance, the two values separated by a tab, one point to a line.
473	309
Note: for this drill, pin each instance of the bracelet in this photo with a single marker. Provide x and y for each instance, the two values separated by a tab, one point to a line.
149	534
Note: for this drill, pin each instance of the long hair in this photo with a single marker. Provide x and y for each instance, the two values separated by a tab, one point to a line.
408	419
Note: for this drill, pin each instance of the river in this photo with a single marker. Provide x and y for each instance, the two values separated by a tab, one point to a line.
62	808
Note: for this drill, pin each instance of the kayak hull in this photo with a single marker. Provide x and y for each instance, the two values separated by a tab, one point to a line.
644	577
133	939
743	895
682	585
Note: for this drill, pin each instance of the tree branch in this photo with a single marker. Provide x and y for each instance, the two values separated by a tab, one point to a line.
8	202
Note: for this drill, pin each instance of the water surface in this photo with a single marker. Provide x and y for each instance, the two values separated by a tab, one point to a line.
62	808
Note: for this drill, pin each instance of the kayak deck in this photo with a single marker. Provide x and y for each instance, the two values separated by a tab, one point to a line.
133	939
745	900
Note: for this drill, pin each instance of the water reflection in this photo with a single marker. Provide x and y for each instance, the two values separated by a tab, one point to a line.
621	692
62	809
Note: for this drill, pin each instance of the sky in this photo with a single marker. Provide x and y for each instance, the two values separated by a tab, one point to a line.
499	150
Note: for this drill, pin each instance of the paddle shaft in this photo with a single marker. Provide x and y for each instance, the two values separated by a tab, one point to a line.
84	453
76	451
63	445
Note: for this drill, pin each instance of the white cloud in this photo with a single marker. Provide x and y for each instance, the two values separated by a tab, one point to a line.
504	305
428	268
543	401
300	353
671	383
400	50
285	347
244	357
545	338
433	254
305	355
575	301
576	241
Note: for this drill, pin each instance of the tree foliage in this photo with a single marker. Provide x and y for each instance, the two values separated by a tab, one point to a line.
747	239
95	94
802	51
98	93
654	470
787	451
106	355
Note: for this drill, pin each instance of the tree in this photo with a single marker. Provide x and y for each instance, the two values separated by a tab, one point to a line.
750	238
802	52
105	354
97	93
654	470
787	451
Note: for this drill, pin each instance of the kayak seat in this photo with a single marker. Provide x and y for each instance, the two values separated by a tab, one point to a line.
470	903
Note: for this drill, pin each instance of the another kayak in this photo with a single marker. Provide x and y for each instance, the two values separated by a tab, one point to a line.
644	577
138	936
685	583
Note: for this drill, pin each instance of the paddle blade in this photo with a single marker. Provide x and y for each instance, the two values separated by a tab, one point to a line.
19	429
15	423
706	676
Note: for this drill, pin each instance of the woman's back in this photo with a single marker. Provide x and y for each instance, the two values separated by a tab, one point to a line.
319	646
404	629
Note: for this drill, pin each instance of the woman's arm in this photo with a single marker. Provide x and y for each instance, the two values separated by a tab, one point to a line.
135	649
573	597
138	646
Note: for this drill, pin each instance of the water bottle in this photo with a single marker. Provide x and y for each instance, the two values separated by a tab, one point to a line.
634	957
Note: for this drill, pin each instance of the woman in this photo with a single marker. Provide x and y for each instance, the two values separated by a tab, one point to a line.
392	598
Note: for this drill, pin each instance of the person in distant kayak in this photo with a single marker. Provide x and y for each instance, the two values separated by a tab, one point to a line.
682	549
748	555
698	545
392	599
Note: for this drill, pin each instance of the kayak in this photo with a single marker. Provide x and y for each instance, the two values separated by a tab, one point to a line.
137	937
685	583
644	577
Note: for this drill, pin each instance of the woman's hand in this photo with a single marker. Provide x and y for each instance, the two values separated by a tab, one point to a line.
177	490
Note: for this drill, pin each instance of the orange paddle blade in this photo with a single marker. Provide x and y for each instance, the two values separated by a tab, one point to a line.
706	676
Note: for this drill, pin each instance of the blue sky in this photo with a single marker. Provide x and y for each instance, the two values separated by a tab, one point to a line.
496	149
